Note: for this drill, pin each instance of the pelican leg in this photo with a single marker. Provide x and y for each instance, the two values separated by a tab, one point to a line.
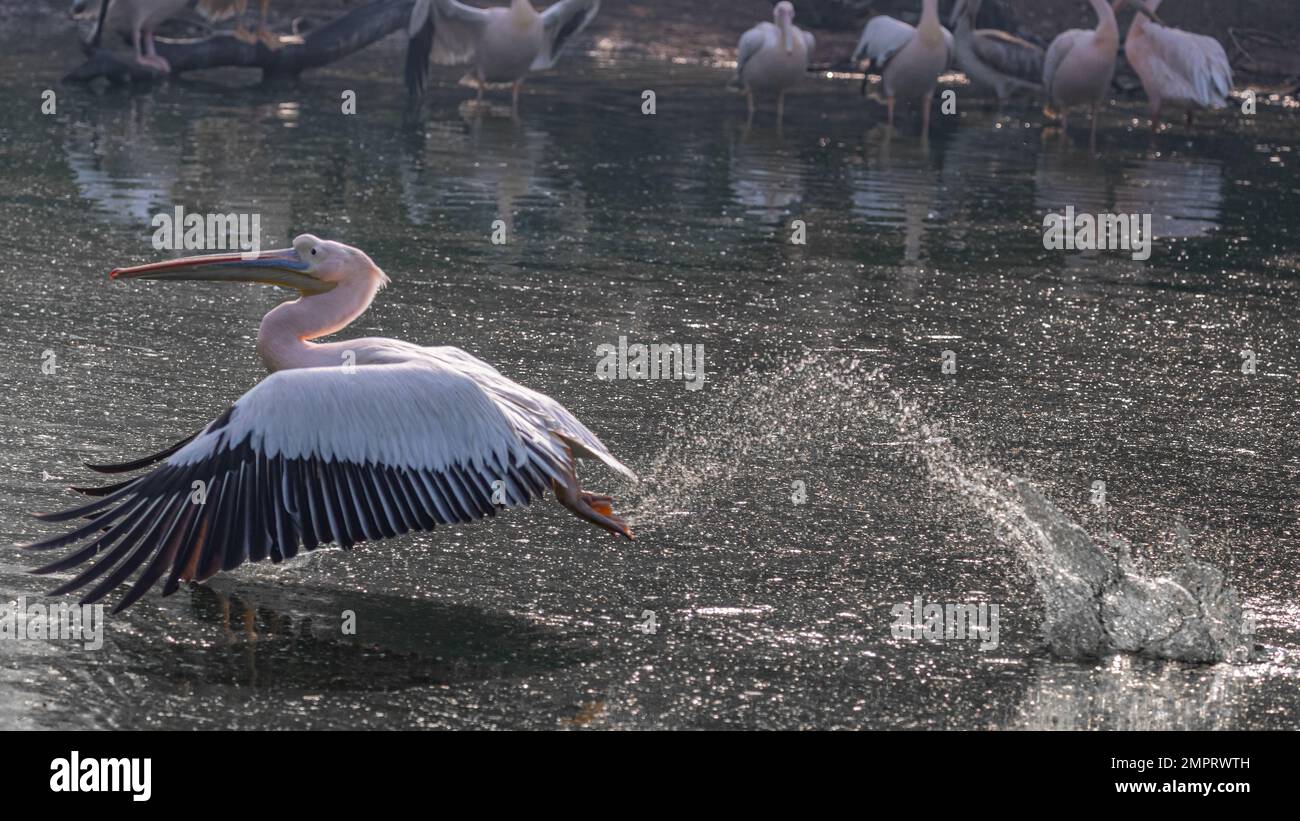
593	507
241	31
264	34
151	54
514	95
780	106
1092	133
925	113
749	100
889	105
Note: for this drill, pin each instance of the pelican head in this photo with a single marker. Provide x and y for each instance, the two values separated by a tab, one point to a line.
312	266
783	14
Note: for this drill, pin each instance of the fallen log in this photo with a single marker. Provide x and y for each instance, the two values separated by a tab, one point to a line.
320	46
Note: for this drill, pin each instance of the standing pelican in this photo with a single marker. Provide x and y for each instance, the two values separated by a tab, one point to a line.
344	442
1080	63
503	43
910	59
773	57
994	58
139	18
1176	67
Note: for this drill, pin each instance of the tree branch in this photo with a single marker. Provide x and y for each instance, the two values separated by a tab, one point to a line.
332	41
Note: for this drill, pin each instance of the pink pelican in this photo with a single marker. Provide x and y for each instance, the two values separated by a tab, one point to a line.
1176	67
773	57
909	59
994	58
503	43
1080	64
344	442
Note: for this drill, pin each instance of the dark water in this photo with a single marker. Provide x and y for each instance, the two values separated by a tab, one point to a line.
1072	368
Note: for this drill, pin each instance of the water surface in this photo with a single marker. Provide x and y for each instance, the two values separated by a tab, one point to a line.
1072	368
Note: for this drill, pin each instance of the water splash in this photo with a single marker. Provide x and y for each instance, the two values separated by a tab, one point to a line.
1096	600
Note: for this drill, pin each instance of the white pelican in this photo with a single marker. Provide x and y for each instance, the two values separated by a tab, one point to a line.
1080	64
773	57
344	442
1176	67
994	58
909	59
503	43
139	18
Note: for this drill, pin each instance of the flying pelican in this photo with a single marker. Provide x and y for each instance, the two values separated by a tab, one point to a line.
910	59
1080	63
344	442
504	44
773	57
994	58
220	9
139	18
1176	67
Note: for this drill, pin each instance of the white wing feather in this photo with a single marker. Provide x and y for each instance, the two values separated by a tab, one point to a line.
412	415
882	38
563	21
1188	68
1056	53
457	29
751	43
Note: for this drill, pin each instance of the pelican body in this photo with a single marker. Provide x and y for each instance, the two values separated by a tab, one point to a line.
771	57
1177	68
994	58
910	59
502	44
1080	64
344	442
138	18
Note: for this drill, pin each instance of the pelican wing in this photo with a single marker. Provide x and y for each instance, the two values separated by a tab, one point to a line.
320	455
1188	68
457	28
531	413
882	38
1056	53
951	45
444	29
563	21
1009	55
809	42
751	43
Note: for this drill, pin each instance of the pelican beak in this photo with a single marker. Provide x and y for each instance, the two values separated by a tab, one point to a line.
284	268
1141	8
